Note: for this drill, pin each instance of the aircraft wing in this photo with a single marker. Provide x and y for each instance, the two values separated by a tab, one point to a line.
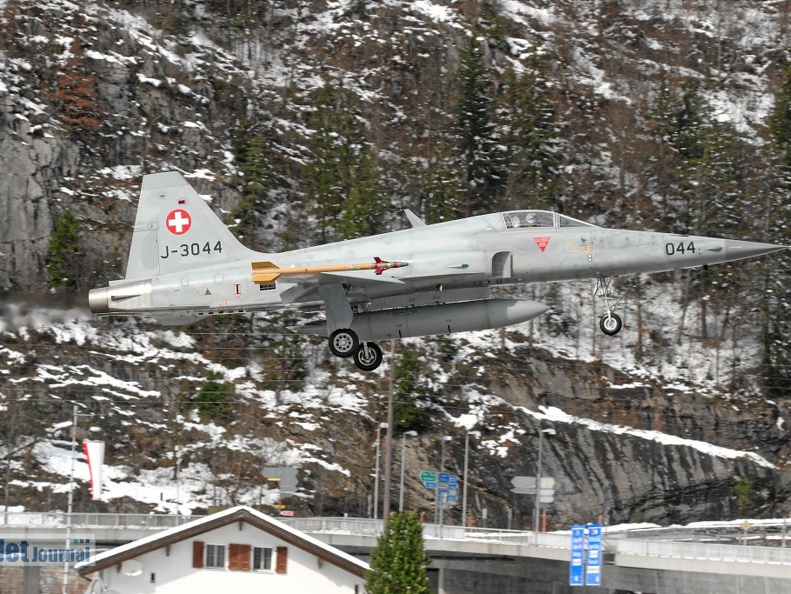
306	288
357	278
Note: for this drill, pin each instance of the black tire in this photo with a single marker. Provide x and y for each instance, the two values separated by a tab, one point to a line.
344	343
368	357
610	324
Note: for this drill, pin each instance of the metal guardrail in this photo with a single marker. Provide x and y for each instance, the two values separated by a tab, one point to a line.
368	527
88	520
700	550
613	543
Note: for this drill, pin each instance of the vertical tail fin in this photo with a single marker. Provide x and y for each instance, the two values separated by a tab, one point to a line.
176	230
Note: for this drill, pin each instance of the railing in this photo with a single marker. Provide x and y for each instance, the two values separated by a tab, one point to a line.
755	529
701	550
368	527
613	543
616	543
87	520
361	526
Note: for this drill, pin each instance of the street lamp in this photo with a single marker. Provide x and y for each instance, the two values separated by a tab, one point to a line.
538	479
379	428
466	466
403	464
440	505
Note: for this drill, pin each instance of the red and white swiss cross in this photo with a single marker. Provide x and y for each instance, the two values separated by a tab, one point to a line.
178	221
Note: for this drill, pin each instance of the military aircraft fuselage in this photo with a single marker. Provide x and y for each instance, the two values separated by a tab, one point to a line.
479	251
429	279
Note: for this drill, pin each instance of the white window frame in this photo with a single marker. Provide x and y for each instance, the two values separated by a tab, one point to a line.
262	558
215	548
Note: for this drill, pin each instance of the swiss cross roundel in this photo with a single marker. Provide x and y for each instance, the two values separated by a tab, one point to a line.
178	221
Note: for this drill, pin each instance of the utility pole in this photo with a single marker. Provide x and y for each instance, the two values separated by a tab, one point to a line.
538	481
403	460
441	502
389	436
464	487
379	428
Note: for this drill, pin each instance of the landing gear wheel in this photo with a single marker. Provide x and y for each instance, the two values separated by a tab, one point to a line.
344	342
368	357
610	324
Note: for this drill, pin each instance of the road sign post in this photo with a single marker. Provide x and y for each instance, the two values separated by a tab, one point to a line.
577	566
586	565
444	484
428	475
593	565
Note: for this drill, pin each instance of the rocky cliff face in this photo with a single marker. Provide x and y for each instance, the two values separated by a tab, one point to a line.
629	453
92	96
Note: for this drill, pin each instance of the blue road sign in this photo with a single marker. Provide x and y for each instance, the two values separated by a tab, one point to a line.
593	567
430	484
577	566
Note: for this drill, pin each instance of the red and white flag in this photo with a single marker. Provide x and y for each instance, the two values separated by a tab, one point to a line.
94	451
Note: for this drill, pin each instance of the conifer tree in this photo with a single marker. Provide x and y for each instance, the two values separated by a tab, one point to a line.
441	196
687	139
253	150
63	260
364	208
398	563
213	400
664	160
477	143
780	120
533	162
341	176
777	344
707	186
408	415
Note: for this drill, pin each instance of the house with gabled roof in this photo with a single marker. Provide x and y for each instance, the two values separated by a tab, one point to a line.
236	550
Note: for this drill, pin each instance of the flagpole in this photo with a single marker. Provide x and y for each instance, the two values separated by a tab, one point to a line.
71	502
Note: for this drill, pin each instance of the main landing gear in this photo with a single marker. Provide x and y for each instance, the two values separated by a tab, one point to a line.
345	343
610	323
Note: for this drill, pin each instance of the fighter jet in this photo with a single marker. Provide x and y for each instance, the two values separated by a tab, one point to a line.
185	264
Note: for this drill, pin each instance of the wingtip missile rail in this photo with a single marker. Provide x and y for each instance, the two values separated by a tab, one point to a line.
269	272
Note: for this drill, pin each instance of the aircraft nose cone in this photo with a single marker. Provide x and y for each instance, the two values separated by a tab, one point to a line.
737	250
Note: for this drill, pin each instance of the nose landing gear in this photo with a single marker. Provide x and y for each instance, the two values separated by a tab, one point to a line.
368	357
610	323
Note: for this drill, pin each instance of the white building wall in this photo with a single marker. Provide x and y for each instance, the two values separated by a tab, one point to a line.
173	573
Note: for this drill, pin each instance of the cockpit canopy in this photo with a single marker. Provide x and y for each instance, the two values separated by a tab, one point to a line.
539	218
